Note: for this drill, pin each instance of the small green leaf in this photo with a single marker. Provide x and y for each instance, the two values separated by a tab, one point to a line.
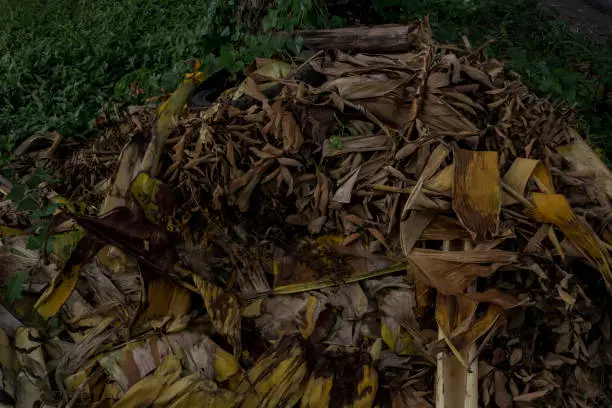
17	193
27	204
45	211
38	177
35	242
12	288
53	323
336	142
299	43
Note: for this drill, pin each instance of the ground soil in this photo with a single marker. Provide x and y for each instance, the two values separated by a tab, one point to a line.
593	17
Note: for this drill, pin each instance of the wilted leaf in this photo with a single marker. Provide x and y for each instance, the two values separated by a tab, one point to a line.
480	327
344	192
407	398
276	378
62	286
503	399
433	163
29	348
517	177
286	315
477	192
447	276
122	228
166	122
318	390
443	181
555	209
146	391
532	396
466	256
292	135
8	371
224	310
494	296
356	144
165	301
582	158
362	87
412	228
154	197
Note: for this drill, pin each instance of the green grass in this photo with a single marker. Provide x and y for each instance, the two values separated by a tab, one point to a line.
553	59
61	61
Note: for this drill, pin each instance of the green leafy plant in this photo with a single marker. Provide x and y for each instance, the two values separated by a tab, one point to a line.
61	64
336	142
27	195
12	288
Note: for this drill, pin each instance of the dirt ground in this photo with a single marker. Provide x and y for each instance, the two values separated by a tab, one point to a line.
594	17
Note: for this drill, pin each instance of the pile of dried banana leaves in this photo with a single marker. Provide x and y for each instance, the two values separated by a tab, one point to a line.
339	230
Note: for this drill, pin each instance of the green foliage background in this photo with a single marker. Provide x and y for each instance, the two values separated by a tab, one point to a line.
61	61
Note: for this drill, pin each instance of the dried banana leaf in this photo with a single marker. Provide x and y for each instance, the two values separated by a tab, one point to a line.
477	192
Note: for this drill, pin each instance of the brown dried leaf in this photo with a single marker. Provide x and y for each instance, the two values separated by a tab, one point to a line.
345	191
477	192
316	224
362	87
412	228
503	399
252	89
582	158
517	177
479	328
477	75
532	396
467	256
407	398
441	118
352	144
445	229
446	276
443	181
496	297
292	135
434	161
438	80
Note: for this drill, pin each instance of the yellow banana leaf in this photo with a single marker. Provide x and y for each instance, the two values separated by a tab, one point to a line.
224	310
154	197
477	192
555	209
62	286
146	391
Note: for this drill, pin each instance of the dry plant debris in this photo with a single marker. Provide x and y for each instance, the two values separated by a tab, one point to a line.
319	236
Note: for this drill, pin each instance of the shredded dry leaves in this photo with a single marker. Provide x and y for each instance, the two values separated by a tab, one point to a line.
282	245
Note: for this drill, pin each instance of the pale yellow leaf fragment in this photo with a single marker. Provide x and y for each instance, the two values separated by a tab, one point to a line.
517	177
